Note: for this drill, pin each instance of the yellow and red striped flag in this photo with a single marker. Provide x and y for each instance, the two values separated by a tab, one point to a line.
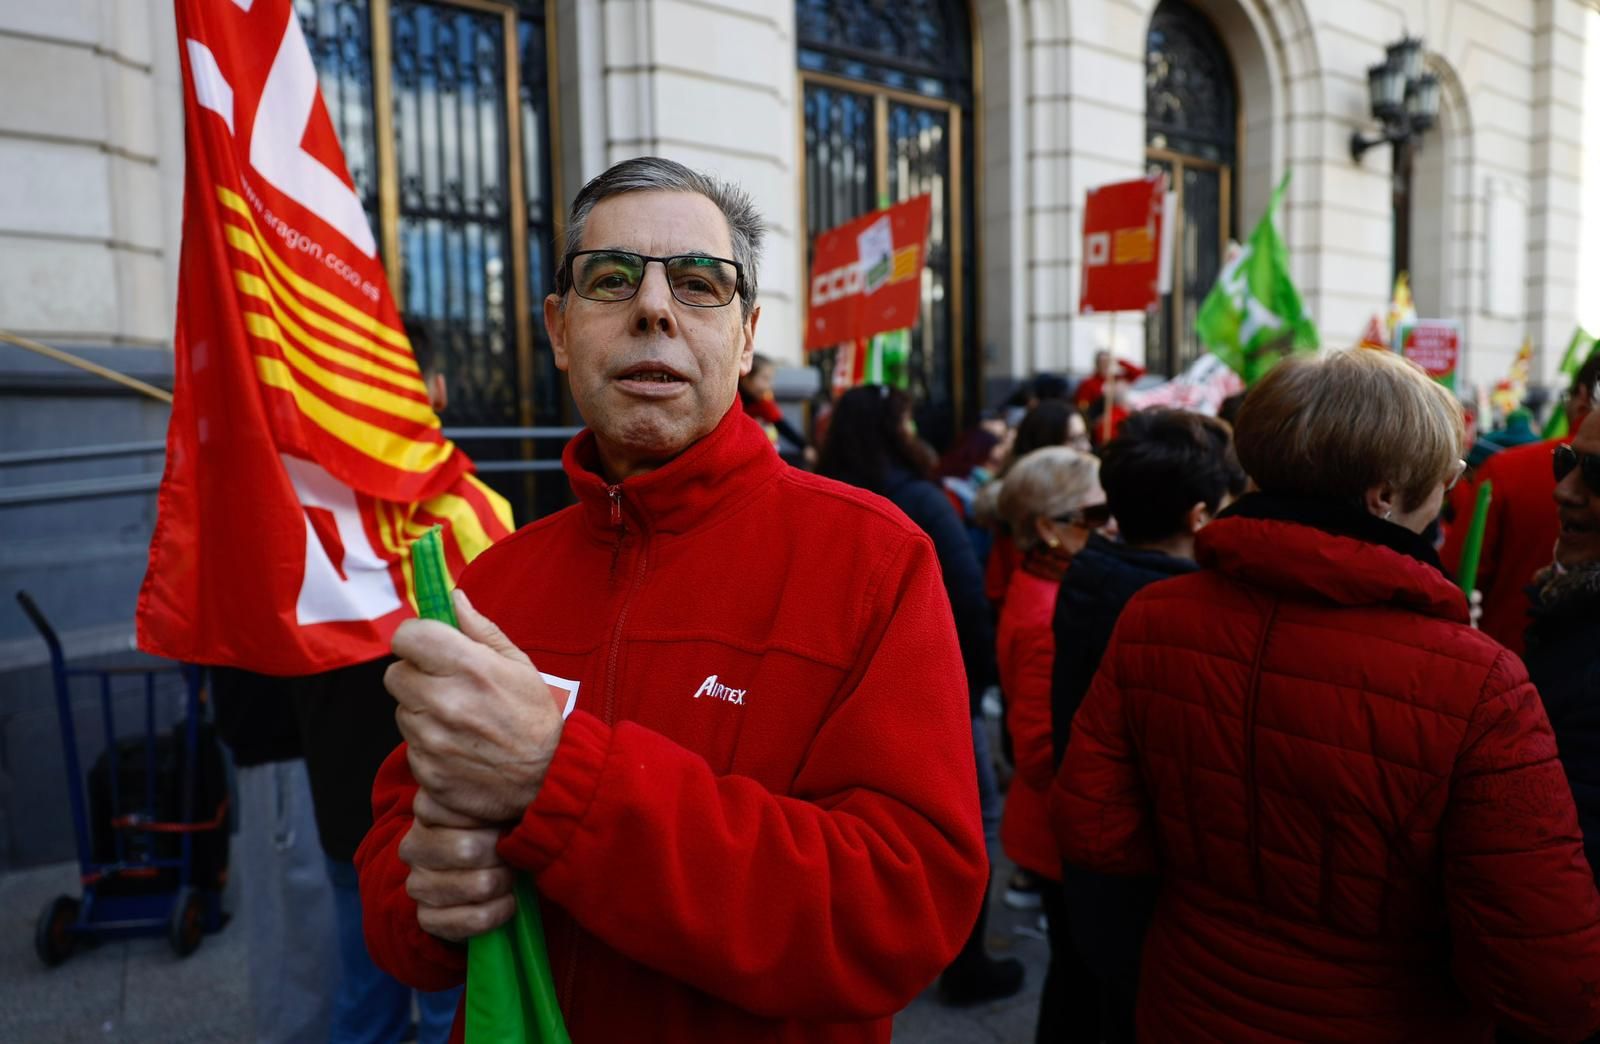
303	456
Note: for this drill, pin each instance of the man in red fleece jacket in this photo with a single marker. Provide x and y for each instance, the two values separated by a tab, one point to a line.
758	819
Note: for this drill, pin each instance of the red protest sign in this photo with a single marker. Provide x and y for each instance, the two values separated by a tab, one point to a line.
866	275
1122	228
1434	345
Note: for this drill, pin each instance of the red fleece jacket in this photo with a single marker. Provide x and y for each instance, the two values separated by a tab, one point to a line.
761	822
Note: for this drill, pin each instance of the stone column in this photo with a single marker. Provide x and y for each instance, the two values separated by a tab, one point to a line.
83	230
1555	217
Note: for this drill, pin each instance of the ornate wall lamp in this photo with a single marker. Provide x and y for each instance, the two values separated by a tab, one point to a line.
1405	101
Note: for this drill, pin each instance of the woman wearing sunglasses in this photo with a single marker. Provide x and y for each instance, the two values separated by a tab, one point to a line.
1050	501
1351	798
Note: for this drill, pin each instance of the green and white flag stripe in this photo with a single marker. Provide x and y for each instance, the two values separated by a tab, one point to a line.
1253	315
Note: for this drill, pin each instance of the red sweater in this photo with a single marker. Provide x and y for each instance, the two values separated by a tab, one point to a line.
1025	651
1518	540
1352	798
761	822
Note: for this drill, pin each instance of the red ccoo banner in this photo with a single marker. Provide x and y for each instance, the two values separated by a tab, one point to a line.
866	275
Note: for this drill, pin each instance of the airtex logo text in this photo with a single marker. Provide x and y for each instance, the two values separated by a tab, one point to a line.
718	691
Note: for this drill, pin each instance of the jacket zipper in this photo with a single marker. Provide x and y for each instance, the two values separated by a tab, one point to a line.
616	637
1252	795
614	494
621	526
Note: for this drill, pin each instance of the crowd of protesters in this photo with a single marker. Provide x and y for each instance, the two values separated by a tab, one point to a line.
1268	778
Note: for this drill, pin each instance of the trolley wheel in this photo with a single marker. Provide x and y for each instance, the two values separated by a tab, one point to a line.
187	925
52	935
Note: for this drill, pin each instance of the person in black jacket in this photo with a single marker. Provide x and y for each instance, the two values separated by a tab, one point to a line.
1165	475
871	443
1563	655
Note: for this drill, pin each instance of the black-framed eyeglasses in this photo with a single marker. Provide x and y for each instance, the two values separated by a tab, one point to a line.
1094	516
1455	476
696	280
1566	458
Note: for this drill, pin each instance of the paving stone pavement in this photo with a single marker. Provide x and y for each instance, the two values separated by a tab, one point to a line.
138	992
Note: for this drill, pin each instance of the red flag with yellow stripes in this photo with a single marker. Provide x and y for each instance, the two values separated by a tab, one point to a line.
303	456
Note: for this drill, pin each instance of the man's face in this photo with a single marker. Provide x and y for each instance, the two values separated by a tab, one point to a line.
651	375
1102	363
1578	506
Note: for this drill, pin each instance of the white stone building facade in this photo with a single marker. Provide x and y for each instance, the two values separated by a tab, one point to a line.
1505	195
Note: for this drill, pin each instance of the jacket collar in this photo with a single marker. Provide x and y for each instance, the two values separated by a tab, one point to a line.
1116	556
696	487
1302	546
1049	563
1559	593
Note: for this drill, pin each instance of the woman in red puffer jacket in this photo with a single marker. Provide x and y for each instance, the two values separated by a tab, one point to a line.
1050	501
1351	797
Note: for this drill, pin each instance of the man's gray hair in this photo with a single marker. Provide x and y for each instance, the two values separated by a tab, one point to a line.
655	174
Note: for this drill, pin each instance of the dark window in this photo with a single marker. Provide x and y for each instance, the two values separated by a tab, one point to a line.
1192	133
459	238
921	46
1190	101
888	100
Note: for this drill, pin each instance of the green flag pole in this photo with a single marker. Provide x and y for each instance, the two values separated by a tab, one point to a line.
1472	550
511	993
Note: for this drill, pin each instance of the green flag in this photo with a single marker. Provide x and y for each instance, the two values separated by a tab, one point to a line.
1253	315
1578	351
888	358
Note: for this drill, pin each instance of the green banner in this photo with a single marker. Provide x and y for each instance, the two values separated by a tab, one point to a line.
1253	315
1579	349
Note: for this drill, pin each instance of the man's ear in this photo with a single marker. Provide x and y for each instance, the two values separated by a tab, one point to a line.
747	332
555	324
1199	515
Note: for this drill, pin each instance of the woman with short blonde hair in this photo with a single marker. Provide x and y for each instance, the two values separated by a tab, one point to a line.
1043	487
1339	425
1051	500
1351	798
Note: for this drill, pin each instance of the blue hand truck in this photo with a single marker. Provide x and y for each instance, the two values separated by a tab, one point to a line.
137	858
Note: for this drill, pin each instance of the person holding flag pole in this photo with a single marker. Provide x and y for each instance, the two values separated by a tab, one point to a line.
304	453
731	752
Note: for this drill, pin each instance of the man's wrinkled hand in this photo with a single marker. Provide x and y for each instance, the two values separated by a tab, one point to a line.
479	722
459	883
